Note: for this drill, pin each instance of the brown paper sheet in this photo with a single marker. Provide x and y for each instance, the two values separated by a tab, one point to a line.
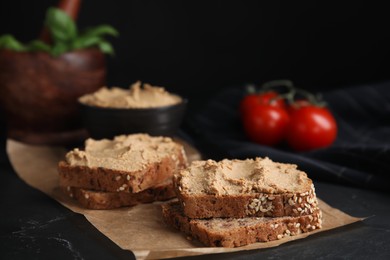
140	228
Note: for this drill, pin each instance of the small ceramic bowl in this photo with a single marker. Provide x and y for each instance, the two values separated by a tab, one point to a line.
103	122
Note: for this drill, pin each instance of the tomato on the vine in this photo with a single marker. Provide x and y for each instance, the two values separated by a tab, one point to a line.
297	104
265	124
310	127
267	98
305	123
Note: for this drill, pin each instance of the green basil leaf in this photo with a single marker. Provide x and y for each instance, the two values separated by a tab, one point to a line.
101	30
7	41
38	45
59	48
106	47
61	26
86	42
64	35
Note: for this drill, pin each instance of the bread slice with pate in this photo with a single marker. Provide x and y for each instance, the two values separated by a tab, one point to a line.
128	163
235	232
110	200
244	188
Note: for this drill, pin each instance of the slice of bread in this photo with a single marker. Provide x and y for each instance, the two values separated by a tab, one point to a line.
110	200
130	163
244	188
235	232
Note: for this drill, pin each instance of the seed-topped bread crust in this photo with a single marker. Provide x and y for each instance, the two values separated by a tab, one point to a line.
235	232
110	200
242	188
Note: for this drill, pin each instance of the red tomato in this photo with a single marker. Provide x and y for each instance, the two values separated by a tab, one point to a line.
298	104
265	124
310	127
252	100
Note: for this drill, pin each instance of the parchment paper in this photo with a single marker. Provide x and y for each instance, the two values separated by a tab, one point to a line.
140	228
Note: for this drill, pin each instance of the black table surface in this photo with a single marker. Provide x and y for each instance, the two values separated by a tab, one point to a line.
34	226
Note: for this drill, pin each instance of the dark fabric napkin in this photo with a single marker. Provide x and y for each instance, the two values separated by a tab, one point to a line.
359	157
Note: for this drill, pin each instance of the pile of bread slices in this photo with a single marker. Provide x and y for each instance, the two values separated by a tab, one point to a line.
228	203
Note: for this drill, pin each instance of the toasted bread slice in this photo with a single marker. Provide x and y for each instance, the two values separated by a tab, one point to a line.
130	163
244	188
235	232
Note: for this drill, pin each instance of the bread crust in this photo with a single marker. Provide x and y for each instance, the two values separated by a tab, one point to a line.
110	200
108	180
248	205
231	232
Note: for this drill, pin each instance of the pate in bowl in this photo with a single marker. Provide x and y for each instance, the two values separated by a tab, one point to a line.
140	109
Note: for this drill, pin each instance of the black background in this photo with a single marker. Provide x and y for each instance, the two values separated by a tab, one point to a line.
198	47
194	47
